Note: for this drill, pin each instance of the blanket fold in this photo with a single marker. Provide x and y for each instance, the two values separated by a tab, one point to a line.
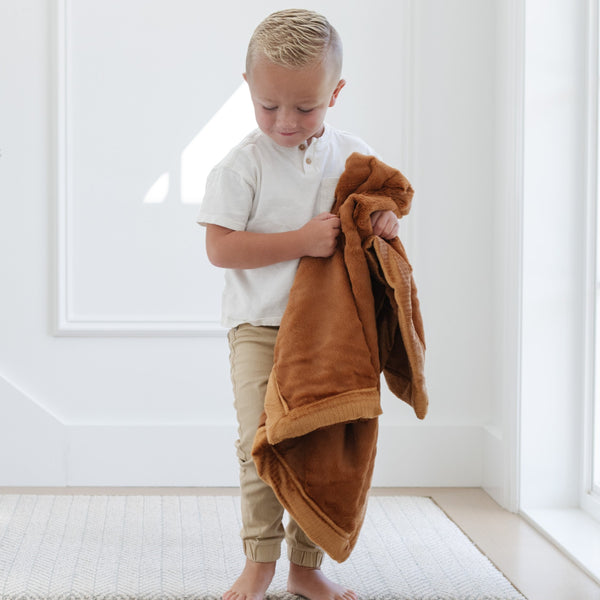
349	318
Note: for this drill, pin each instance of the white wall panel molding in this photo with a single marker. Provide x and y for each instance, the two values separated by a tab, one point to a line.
117	194
72	315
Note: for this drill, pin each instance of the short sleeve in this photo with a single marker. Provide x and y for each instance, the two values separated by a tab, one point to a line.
227	200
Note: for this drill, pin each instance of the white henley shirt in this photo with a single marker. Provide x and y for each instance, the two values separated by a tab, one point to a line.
263	187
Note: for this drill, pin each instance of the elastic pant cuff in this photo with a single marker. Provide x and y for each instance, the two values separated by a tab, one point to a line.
261	552
306	558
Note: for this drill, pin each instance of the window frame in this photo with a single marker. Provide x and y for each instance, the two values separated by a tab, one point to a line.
590	489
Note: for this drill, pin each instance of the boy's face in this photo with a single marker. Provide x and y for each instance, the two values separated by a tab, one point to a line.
290	104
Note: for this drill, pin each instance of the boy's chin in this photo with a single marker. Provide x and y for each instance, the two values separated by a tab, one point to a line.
287	141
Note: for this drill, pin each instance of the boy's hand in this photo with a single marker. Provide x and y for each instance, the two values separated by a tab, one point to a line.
385	224
320	235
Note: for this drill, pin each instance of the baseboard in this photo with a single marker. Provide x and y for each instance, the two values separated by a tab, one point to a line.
493	460
33	443
499	468
429	456
200	456
37	449
153	455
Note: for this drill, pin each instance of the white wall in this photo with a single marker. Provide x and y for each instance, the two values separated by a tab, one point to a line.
123	409
556	196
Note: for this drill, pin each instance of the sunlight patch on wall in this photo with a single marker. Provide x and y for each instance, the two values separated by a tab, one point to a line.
226	129
159	190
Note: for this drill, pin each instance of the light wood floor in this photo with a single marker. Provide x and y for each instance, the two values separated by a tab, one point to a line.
534	565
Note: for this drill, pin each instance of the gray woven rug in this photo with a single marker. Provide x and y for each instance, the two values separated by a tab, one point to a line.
187	548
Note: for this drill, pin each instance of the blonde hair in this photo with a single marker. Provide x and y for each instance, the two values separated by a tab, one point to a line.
295	38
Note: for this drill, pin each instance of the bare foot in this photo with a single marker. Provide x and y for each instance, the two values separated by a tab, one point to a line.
312	584
253	582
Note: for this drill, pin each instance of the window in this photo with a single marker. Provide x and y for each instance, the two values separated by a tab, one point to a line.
594	412
591	483
590	500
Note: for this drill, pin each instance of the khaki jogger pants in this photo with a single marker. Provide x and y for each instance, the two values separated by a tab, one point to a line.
251	358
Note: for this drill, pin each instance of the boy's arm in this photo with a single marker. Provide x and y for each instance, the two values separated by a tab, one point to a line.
248	250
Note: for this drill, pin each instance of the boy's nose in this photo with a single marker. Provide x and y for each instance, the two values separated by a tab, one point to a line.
286	119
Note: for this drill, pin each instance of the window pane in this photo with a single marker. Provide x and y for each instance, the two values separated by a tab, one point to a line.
596	407
596	404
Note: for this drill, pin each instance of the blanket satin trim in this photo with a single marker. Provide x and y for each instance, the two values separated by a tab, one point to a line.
282	423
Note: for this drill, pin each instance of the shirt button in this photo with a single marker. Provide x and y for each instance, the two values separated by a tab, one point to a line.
302	147
308	161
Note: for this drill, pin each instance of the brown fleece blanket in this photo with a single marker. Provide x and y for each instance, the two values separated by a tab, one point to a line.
349	317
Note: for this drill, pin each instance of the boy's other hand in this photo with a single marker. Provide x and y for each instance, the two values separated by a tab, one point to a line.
385	224
320	235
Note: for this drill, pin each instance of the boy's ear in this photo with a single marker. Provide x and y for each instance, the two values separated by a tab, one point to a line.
245	78
338	89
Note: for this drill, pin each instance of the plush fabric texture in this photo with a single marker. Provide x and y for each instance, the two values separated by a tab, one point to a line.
349	317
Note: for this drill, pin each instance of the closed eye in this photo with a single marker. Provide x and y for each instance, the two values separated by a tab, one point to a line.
305	110
269	107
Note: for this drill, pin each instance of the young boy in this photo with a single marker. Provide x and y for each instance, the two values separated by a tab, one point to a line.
266	206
